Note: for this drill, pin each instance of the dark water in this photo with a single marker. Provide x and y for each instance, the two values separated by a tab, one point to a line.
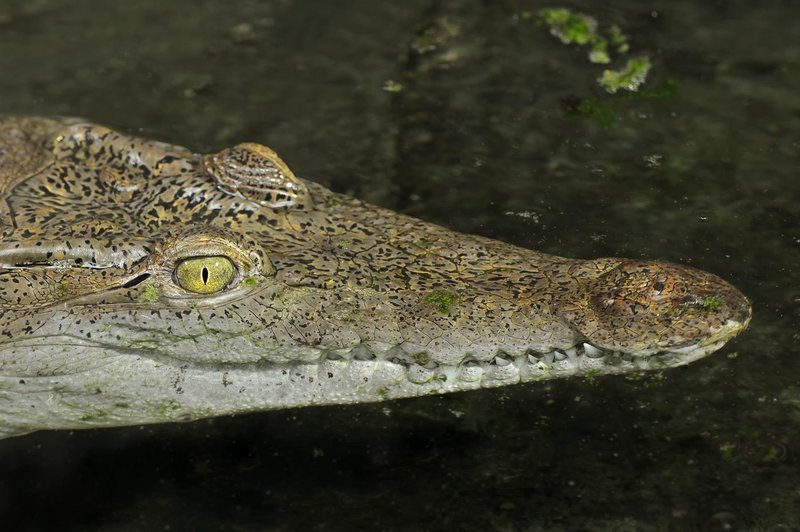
704	170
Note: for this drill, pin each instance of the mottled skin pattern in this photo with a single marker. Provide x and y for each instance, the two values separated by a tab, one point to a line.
333	300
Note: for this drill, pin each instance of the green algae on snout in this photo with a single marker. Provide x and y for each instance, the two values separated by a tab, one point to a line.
712	303
443	301
149	294
62	288
250	282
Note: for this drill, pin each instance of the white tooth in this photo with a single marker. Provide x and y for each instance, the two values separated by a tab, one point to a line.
591	351
572	352
559	355
501	361
550	357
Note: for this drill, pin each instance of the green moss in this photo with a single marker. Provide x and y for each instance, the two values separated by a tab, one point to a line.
619	39
149	294
580	29
250	281
668	89
571	28
605	114
630	77
712	303
443	301
602	114
392	86
599	51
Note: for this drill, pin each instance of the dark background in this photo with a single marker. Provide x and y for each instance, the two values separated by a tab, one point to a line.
485	136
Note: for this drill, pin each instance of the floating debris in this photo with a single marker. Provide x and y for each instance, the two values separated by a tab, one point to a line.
581	29
391	85
630	77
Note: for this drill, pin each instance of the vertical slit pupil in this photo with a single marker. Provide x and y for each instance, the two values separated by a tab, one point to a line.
204	273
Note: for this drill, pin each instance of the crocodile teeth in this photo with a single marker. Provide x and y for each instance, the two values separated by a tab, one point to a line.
591	351
501	361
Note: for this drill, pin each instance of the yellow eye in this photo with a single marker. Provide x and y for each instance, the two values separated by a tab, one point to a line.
205	275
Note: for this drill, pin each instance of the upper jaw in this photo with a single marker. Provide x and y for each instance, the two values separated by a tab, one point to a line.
582	358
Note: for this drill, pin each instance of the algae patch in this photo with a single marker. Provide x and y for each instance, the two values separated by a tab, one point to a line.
583	30
443	301
149	294
569	27
391	85
630	77
712	303
605	114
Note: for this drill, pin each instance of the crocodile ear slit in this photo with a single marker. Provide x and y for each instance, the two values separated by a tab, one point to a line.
256	173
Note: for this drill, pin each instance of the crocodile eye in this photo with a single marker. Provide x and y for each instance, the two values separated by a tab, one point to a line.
205	275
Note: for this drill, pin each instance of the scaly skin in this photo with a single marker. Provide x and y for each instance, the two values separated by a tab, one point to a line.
333	300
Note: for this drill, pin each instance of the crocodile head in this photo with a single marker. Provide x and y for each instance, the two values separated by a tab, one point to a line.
143	283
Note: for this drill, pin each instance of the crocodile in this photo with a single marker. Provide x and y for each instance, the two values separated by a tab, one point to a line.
142	283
